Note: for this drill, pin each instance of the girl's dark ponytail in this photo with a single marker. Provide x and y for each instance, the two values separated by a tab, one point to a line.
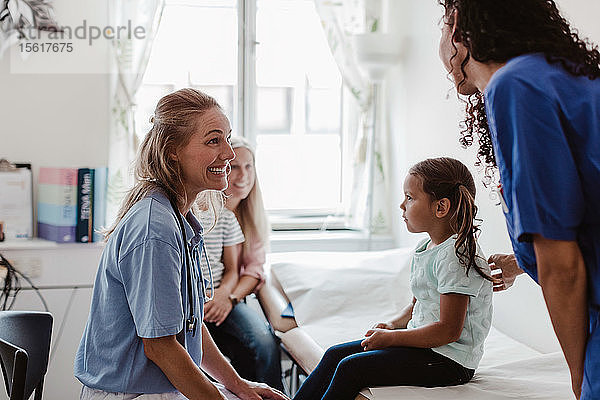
466	230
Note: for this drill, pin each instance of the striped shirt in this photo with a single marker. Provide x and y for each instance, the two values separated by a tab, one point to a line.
227	232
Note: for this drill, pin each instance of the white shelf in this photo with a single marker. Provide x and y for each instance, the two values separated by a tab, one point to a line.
280	241
41	244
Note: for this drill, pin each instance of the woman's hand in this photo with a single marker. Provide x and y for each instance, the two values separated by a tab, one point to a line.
384	325
508	270
377	339
248	390
218	308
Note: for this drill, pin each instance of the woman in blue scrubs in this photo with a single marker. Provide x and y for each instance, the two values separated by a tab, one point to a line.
533	102
144	337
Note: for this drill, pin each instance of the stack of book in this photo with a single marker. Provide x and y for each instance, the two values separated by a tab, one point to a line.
71	204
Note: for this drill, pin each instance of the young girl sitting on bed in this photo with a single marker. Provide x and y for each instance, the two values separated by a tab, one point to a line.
437	340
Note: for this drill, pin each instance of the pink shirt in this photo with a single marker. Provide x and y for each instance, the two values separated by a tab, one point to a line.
252	261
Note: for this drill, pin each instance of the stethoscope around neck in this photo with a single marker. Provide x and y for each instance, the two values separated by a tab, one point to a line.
191	322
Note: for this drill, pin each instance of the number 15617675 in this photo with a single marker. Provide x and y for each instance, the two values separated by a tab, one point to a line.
48	47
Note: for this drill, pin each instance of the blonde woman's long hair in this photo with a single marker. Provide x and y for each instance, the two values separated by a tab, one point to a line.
251	212
173	124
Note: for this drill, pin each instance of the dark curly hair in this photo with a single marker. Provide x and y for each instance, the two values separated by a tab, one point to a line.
496	31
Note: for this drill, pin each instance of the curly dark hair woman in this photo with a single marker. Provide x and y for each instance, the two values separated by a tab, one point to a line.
533	102
496	31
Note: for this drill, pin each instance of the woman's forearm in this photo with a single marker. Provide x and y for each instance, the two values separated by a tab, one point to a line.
229	280
180	369
246	285
563	278
215	364
230	263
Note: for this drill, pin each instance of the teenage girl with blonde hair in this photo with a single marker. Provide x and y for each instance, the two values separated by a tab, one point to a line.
237	256
437	340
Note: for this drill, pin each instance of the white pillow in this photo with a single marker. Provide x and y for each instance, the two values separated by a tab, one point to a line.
337	297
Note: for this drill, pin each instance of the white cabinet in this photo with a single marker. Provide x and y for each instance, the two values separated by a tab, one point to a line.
64	273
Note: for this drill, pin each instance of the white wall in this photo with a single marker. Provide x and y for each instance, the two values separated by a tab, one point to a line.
67	300
58	120
425	124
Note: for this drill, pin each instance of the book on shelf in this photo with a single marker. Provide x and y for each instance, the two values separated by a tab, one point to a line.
16	200
71	204
85	200
57	204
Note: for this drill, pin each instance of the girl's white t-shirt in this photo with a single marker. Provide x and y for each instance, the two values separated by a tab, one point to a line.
437	271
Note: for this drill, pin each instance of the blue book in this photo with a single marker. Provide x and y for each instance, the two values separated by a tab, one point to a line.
85	201
99	204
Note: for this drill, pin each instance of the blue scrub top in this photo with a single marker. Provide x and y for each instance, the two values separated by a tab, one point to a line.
141	292
545	127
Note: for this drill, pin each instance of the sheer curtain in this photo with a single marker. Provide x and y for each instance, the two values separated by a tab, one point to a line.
130	61
369	205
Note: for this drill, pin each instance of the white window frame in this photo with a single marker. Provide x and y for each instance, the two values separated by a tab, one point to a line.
284	220
244	113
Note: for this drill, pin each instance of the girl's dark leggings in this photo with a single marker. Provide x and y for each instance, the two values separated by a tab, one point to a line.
346	369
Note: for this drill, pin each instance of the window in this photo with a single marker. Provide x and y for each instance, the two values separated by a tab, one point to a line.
196	46
268	64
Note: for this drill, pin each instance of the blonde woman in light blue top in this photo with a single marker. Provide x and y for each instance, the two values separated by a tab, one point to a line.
145	337
437	340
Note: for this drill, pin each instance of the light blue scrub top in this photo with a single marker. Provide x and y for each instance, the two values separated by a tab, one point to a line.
140	292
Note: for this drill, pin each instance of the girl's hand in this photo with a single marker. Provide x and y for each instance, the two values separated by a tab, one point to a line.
377	339
218	308
249	390
384	325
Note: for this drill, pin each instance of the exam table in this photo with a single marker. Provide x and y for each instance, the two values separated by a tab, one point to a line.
337	296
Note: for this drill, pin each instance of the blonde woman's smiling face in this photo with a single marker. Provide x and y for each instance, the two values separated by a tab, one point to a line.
242	176
205	159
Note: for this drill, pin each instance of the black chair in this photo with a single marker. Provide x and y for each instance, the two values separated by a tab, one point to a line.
24	350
